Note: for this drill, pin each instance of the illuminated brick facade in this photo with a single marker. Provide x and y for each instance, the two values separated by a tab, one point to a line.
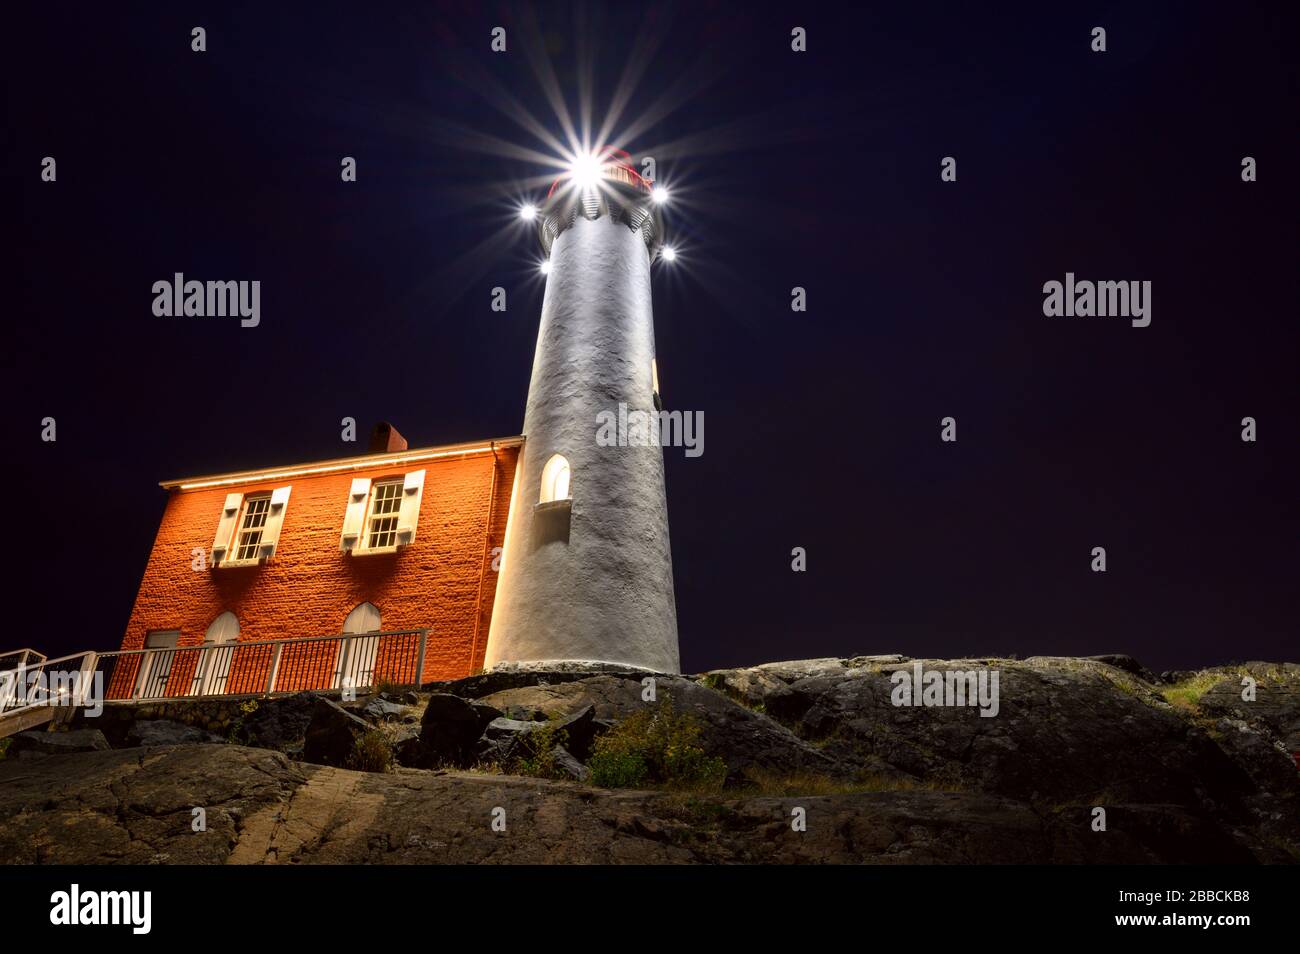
443	579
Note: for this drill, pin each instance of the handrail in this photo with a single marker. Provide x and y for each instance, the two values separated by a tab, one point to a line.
247	667
24	653
20	691
264	642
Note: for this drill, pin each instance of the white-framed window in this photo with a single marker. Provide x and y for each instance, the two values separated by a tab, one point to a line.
555	479
249	529
382	514
252	524
382	517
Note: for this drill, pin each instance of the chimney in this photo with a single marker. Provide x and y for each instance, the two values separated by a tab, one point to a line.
384	439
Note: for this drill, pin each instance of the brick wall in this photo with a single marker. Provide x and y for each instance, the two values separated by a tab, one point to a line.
443	581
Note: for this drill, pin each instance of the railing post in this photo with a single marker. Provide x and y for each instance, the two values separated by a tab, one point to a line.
88	676
275	668
140	673
419	660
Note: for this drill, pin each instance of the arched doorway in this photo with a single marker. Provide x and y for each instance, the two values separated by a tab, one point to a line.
356	656
213	670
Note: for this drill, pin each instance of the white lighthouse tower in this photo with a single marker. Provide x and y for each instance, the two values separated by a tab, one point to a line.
586	573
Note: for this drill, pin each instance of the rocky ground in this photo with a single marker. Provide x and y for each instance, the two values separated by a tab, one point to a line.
1184	767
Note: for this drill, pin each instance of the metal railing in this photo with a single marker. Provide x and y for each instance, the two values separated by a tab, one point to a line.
38	681
18	658
254	667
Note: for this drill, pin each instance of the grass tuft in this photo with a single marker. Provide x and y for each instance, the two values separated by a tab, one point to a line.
656	746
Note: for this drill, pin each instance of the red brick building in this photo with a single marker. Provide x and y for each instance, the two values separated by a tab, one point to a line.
397	539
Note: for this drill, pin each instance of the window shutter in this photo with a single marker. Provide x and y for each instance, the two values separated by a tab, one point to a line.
412	491
226	526
274	518
355	517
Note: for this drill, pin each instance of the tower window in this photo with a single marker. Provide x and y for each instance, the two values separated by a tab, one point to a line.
256	510
385	508
555	479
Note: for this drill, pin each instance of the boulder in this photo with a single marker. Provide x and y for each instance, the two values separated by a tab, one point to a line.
565	761
381	710
331	734
167	732
408	750
451	728
1276	701
524	714
580	730
38	743
505	740
1128	664
745	739
279	723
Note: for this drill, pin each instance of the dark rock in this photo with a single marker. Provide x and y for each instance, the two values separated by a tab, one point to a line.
505	740
409	751
381	710
411	698
451	728
565	761
524	714
38	743
331	734
1208	780
579	731
501	679
115	808
166	732
485	713
1128	664
501	728
1276	701
279	723
745	739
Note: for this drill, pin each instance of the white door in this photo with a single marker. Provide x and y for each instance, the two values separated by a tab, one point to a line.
214	662
156	665
357	655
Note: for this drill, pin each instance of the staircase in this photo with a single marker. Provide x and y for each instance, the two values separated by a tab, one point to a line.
34	689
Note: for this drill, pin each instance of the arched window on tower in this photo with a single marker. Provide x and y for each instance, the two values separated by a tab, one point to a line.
555	479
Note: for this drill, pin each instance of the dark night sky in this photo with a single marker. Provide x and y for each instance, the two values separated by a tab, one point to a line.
817	169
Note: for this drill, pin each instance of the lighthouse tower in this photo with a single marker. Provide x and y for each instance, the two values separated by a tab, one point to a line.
586	572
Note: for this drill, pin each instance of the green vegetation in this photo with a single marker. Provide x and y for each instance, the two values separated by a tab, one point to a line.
238	735
539	762
1187	694
656	746
4	748
371	752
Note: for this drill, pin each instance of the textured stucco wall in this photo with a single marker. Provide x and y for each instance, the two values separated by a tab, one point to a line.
605	594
